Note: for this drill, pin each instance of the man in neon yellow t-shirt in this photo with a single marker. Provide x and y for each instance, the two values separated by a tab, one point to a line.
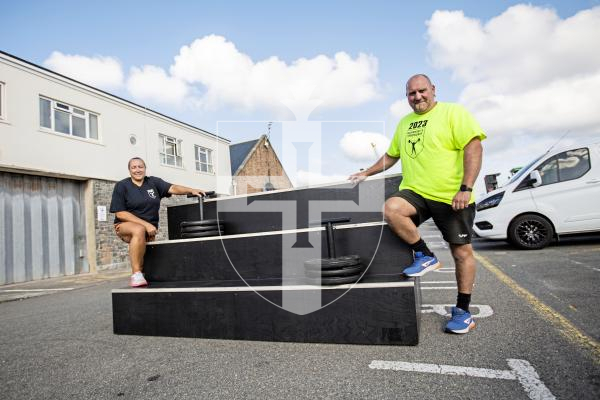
439	145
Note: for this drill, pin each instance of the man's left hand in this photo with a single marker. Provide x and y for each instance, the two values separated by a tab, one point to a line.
461	200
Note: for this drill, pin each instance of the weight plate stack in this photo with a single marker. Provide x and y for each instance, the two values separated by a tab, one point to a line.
334	271
199	229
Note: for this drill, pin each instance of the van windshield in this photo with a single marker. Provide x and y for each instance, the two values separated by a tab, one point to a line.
516	176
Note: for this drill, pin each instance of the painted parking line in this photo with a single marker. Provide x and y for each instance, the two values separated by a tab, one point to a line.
33	290
585	265
430	285
476	310
445	270
437	245
562	324
520	370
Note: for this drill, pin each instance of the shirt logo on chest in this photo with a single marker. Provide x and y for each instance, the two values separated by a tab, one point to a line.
413	140
151	193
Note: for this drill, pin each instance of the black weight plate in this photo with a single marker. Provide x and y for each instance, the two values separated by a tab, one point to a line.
200	234
318	264
204	222
192	229
336	280
353	270
350	257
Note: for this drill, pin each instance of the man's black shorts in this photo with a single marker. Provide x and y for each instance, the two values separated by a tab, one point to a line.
456	226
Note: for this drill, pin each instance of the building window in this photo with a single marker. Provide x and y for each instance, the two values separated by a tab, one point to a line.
2	101
204	161
170	151
67	119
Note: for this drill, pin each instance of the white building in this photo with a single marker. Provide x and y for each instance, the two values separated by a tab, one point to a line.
63	146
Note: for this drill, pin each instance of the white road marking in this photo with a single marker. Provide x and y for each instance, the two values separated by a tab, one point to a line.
585	266
33	290
438	246
445	270
520	370
483	311
529	379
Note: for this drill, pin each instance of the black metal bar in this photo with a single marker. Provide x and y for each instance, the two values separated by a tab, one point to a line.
330	240
201	205
330	236
201	202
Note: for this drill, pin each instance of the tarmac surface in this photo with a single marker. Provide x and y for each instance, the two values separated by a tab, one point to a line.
536	338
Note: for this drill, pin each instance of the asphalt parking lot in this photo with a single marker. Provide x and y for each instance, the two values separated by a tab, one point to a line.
564	276
537	338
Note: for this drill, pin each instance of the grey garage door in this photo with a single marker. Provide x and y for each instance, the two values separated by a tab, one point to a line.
41	228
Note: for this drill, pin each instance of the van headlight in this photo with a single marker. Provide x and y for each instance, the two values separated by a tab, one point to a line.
490	202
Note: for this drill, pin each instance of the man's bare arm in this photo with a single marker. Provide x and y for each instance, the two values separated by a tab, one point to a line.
385	162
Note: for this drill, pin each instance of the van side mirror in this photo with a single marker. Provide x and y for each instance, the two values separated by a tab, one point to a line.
535	179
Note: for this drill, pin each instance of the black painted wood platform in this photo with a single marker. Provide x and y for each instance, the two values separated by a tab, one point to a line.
369	313
374	191
234	287
260	256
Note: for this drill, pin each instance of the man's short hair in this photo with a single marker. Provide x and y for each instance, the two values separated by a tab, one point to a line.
135	158
419	75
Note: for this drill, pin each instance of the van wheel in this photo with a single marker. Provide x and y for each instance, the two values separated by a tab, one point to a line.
530	232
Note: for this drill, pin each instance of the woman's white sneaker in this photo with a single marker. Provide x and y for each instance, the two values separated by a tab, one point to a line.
137	280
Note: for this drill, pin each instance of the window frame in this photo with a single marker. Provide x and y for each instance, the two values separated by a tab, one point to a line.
524	184
164	156
73	112
210	166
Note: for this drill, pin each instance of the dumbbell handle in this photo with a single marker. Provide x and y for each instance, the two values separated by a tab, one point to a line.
328	222
201	202
206	194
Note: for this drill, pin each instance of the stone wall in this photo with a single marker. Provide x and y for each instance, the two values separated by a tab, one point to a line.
111	252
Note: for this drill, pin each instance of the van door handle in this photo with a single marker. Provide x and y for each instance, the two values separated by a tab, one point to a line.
593	181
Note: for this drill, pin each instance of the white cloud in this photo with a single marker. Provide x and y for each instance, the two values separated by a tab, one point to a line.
526	71
364	146
101	72
151	83
227	76
529	77
400	108
306	178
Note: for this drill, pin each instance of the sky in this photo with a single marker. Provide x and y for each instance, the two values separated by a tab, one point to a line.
528	72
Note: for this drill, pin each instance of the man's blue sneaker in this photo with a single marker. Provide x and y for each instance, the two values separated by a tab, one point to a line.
461	321
422	265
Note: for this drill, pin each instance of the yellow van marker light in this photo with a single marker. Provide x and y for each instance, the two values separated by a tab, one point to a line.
564	326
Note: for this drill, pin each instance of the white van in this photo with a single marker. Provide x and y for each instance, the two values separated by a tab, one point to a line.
557	193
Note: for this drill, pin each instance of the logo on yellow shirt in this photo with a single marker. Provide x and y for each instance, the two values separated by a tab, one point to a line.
413	140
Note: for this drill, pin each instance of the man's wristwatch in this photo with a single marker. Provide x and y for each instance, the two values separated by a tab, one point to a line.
465	188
